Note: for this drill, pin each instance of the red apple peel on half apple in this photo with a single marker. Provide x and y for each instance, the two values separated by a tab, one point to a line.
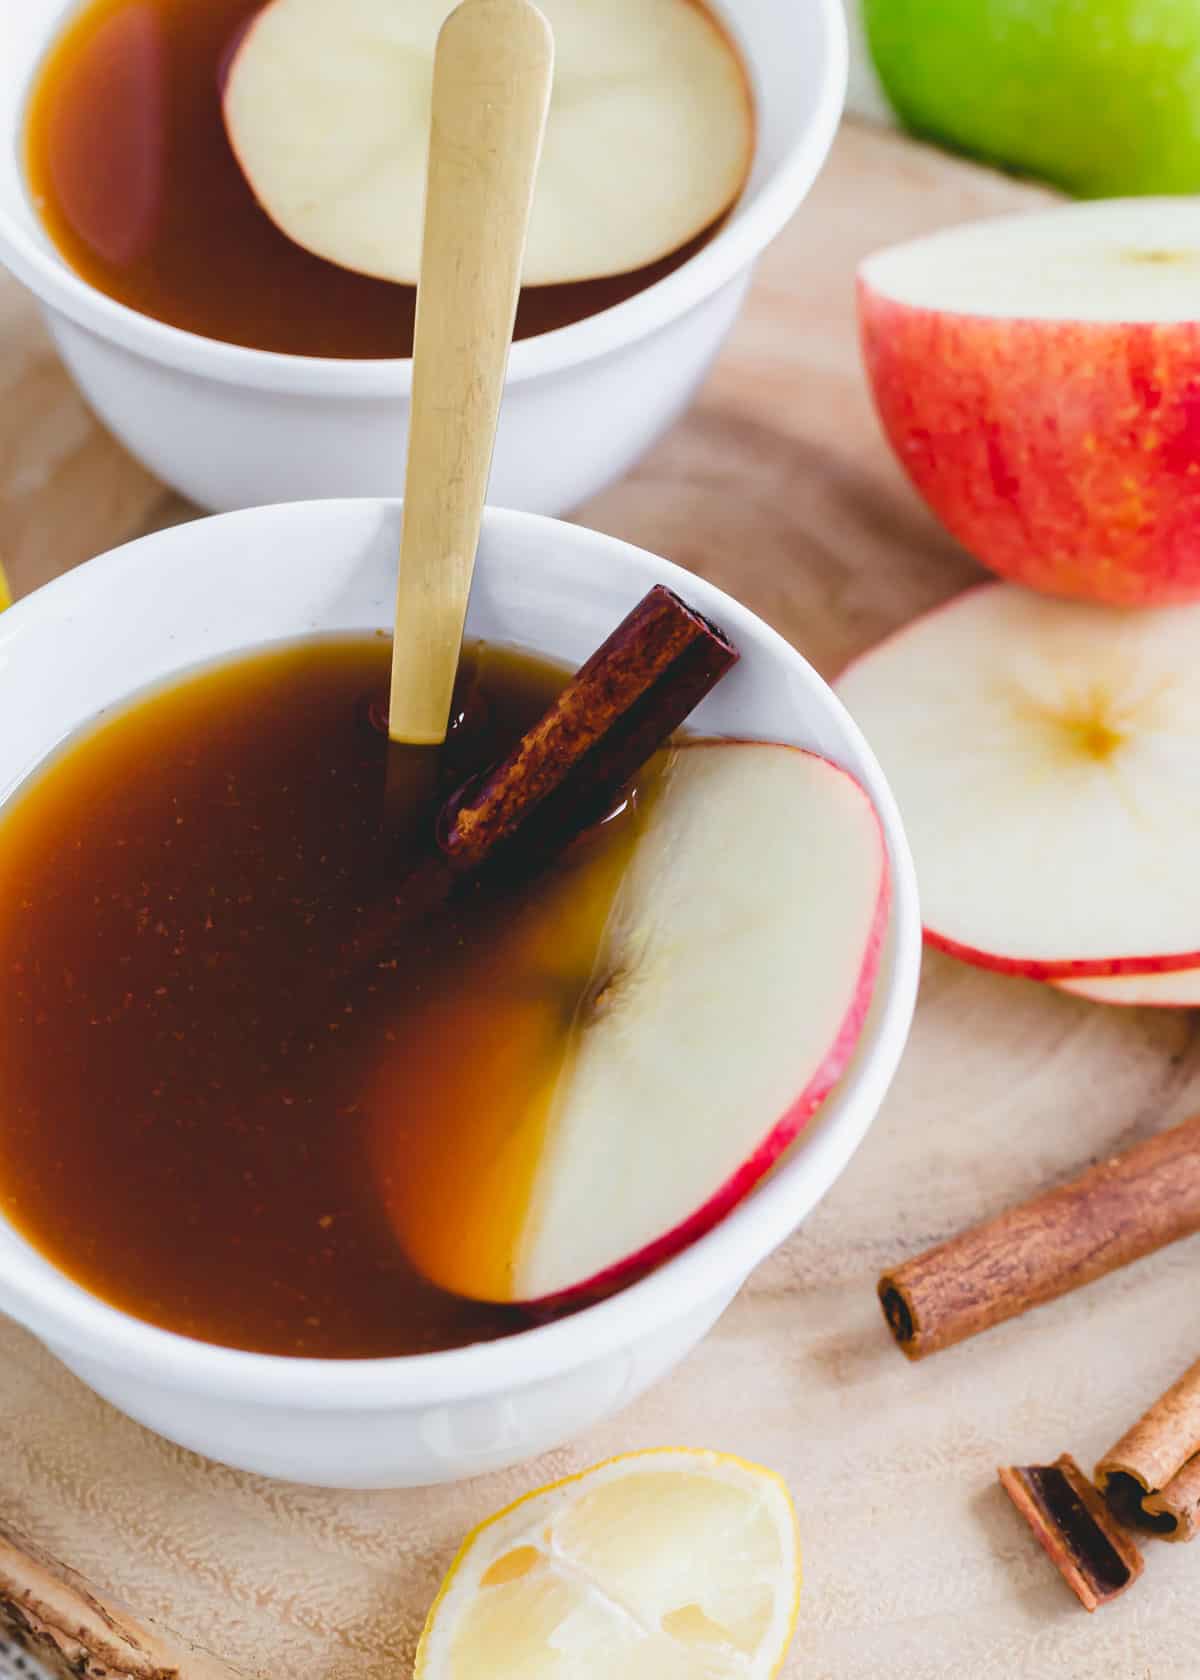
1037	377
1045	755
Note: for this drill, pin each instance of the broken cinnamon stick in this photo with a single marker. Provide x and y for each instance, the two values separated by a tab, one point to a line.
1095	1557
63	1623
618	709
1175	1512
1115	1213
1136	1474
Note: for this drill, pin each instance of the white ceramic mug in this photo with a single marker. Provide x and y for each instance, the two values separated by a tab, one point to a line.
194	593
232	427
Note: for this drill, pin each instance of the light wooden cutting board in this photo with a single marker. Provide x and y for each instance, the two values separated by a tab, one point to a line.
777	486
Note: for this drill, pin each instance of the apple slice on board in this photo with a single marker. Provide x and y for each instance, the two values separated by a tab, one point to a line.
1046	758
734	974
1036	376
1174	989
649	139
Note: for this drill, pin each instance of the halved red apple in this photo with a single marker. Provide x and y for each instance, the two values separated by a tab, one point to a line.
648	142
1045	756
1176	989
1037	378
730	988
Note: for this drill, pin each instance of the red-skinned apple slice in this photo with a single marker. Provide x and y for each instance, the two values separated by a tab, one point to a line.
731	985
1045	755
1037	376
1176	989
648	142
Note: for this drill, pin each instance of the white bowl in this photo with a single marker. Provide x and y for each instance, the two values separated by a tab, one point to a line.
232	427
208	588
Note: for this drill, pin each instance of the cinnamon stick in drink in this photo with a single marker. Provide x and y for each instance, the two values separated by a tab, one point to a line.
1118	1211
1095	1557
614	713
75	1634
566	771
1151	1478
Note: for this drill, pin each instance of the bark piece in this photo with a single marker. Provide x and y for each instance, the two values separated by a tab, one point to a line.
64	1624
1075	1528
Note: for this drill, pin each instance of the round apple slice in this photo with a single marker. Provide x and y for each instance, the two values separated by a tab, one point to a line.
1174	989
732	981
648	142
1036	376
1046	757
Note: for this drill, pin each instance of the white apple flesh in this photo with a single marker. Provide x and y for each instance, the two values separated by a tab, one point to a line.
1045	756
648	142
730	987
1175	989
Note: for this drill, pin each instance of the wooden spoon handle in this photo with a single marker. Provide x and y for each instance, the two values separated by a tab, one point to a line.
491	92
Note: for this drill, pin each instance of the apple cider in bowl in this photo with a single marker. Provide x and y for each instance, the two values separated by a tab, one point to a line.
275	1075
194	1057
131	166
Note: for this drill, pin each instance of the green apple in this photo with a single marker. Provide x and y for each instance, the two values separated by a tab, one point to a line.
1101	97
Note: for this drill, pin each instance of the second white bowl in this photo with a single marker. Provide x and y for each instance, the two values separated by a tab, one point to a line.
231	427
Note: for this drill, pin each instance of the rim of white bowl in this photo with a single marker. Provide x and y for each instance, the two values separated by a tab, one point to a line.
62	1313
750	229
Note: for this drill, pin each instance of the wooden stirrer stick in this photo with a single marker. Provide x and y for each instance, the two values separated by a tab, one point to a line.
491	92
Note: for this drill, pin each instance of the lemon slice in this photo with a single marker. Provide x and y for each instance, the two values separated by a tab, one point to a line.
663	1565
5	591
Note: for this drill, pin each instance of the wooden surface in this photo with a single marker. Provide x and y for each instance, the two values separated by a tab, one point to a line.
778	486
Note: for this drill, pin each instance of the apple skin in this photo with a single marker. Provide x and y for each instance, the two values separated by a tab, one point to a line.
1101	97
772	1146
1064	455
1066	969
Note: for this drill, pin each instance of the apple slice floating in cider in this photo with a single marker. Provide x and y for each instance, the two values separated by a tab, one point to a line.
1037	376
649	137
735	971
1044	754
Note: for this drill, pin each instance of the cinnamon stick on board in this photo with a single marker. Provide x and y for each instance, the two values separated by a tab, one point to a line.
76	1635
1139	1475
1095	1557
1118	1211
